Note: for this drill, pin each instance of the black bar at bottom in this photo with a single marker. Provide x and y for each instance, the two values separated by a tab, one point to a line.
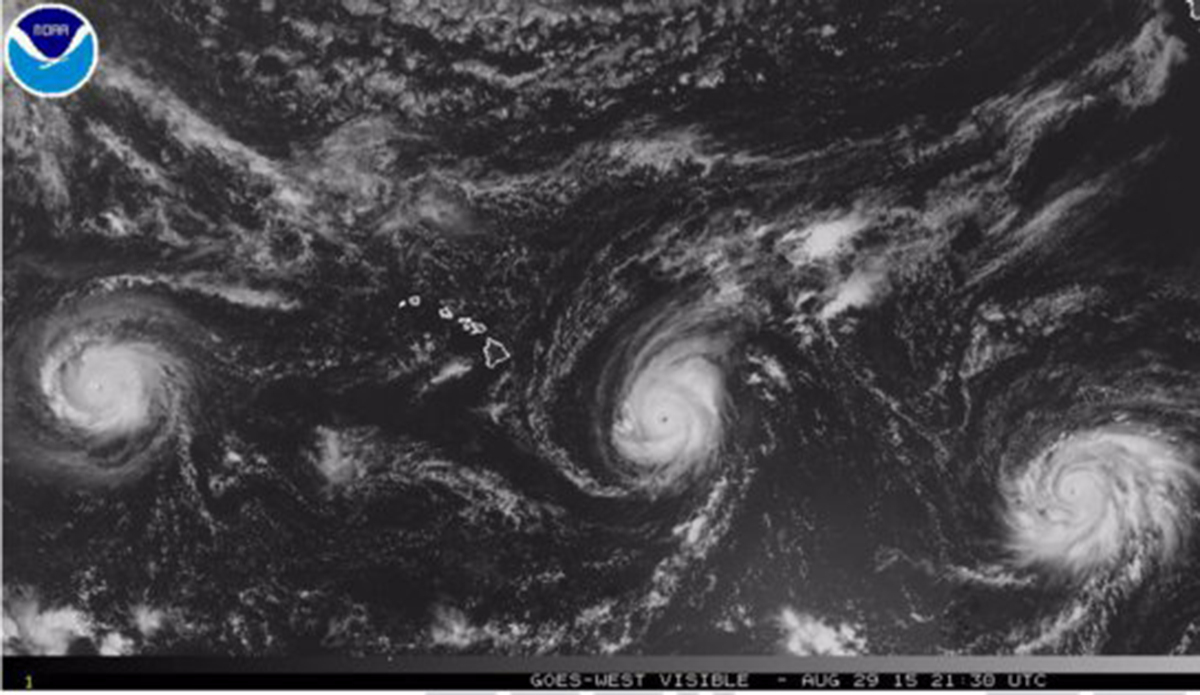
38	673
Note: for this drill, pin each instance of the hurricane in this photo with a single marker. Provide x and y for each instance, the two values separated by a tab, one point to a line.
672	413
98	391
670	400
1094	498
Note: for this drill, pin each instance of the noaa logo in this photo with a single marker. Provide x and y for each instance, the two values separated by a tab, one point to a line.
51	50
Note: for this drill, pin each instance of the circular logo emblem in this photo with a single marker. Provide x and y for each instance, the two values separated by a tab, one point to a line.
51	50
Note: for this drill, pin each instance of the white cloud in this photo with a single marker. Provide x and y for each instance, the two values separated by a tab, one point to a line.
115	644
807	635
148	620
334	456
30	630
822	241
452	628
826	238
858	290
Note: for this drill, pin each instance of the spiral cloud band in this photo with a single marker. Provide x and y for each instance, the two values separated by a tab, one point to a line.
1096	498
667	386
98	390
106	389
672	412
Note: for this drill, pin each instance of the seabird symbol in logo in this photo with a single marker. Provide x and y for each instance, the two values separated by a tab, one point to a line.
51	50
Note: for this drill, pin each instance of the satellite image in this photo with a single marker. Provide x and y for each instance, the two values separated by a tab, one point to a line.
552	327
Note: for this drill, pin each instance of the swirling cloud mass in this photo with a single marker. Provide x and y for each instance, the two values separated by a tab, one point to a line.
96	391
672	405
1094	500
